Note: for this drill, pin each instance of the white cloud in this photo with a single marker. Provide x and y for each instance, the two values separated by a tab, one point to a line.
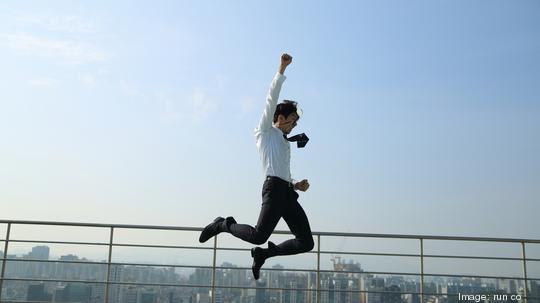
72	51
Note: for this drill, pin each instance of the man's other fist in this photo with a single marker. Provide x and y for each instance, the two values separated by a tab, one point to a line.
302	185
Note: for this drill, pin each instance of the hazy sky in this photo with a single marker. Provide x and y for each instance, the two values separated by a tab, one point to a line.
424	116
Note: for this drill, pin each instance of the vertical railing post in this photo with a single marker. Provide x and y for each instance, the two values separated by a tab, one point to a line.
525	282
318	269
109	267
2	275
421	270
214	271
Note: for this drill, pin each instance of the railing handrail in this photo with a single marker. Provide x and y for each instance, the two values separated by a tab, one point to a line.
321	233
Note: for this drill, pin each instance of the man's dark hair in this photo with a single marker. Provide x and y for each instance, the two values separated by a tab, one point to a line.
285	108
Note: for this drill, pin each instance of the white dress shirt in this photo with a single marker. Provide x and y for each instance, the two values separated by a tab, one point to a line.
274	150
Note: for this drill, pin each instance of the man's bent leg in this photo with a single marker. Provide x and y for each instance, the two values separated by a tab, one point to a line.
298	223
268	218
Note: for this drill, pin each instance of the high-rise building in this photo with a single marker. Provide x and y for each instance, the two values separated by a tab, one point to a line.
40	253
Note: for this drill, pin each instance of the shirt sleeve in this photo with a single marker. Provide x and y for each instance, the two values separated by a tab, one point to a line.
271	102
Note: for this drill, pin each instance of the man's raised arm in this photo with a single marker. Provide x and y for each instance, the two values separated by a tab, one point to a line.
273	94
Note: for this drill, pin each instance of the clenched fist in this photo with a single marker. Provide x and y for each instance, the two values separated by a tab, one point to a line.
302	185
286	59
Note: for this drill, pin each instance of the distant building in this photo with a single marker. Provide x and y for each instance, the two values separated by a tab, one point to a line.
40	253
131	294
148	296
72	292
36	292
393	294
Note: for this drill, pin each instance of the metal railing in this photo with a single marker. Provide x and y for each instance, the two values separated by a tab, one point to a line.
421	256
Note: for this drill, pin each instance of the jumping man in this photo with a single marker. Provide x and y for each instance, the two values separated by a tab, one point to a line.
279	197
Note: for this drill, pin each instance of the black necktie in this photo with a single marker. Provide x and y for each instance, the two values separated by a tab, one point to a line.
300	139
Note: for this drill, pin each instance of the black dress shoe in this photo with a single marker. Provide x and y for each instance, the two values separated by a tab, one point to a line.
260	255
211	229
258	260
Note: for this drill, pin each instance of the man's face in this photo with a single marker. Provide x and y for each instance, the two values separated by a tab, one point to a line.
287	124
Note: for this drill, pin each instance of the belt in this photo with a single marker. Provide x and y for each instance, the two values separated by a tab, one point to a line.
279	180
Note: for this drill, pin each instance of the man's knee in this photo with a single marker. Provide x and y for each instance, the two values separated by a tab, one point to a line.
308	244
260	238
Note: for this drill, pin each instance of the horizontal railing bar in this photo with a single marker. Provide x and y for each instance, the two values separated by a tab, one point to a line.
328	234
326	252
428	274
473	257
425	274
60	242
425	256
57	261
479	276
161	246
102	225
107	244
112	263
248	249
105	263
427	237
54	280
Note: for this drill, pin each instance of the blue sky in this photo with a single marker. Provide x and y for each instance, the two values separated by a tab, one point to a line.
423	115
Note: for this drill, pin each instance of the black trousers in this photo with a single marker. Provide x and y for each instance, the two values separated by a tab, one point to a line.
279	200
